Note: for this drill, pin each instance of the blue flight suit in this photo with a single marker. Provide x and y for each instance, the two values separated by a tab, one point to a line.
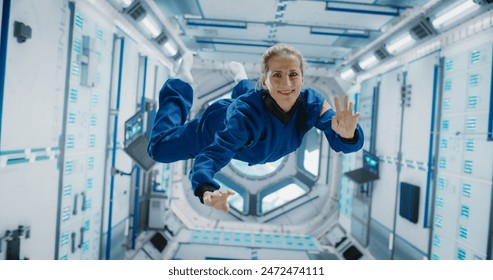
245	127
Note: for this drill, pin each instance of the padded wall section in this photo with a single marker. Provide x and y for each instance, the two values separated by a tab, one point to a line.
464	180
85	138
31	125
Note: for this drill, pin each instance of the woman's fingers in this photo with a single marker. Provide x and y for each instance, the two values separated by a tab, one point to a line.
336	104
207	198
218	199
226	193
347	106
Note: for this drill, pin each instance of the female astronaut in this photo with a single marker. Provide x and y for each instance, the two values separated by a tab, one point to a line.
257	125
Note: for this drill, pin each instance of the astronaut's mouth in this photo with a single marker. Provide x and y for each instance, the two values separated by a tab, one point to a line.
286	93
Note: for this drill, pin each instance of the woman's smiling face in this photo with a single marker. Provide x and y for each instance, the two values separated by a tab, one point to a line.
284	80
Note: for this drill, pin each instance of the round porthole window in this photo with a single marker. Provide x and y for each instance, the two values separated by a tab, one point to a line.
257	171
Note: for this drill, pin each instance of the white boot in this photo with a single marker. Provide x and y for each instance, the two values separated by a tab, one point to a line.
183	71
237	70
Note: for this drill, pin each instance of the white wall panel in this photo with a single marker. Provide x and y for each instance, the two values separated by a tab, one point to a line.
387	147
365	107
28	197
476	153
472	212
150	78
31	125
416	145
35	76
478	91
351	161
446	202
86	137
465	156
161	76
449	160
443	247
128	105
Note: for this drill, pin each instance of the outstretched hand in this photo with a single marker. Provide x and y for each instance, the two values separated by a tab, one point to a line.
218	199
344	122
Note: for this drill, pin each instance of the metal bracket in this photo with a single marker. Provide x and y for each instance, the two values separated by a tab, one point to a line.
13	239
406	95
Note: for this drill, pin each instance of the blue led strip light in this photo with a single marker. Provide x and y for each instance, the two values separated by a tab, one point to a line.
429	174
137	178
328	62
113	155
373	109
361	10
401	199
143	99
232	43
3	55
409	202
136	208
237	25
341	34
490	115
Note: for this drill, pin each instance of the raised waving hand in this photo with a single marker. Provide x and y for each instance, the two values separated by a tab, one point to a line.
344	122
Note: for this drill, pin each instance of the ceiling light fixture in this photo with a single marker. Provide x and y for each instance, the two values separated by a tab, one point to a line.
455	14
400	44
151	26
126	3
348	73
368	62
171	48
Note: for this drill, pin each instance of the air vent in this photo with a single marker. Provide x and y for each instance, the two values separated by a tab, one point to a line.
136	11
382	53
483	2
161	39
422	30
356	68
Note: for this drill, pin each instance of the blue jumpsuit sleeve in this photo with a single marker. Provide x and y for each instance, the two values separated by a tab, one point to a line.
239	130
324	123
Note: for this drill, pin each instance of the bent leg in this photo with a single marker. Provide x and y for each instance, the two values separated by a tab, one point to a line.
172	139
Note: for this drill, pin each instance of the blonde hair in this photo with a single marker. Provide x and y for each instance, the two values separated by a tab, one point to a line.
279	50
